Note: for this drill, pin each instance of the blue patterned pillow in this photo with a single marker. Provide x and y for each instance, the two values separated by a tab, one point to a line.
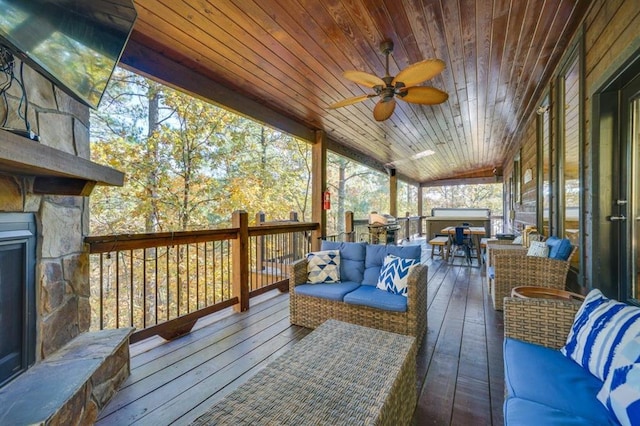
538	249
600	329
323	266
394	274
620	393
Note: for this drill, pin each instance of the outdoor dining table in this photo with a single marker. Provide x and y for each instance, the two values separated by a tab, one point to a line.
475	231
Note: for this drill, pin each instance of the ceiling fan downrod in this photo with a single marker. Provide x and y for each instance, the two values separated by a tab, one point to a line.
387	92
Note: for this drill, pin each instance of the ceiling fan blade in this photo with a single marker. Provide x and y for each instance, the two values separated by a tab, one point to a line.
364	78
384	109
423	95
419	72
350	101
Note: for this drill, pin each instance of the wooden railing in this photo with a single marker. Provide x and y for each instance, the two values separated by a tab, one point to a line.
410	227
162	283
358	229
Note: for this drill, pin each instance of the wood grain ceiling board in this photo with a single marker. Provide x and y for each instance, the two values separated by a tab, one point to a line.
289	55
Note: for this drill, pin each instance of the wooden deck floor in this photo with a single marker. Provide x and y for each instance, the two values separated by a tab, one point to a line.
460	371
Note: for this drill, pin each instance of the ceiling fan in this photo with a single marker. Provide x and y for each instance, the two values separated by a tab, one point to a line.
404	85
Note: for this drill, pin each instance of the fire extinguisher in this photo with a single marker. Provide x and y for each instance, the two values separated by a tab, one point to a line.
326	200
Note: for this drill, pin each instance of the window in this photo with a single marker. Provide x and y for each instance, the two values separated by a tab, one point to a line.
544	167
570	135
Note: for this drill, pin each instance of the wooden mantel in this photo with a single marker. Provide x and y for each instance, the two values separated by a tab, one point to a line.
54	171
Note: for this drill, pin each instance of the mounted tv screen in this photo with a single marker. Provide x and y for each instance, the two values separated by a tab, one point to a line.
74	43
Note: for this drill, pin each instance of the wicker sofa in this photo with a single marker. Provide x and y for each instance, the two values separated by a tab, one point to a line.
360	265
512	268
542	386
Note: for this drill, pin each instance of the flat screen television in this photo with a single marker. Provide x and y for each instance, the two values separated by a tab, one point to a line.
74	43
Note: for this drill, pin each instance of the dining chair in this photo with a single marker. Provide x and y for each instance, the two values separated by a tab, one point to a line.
461	241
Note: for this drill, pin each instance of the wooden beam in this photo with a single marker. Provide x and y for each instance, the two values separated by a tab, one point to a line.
462	181
62	186
318	186
160	67
364	159
56	172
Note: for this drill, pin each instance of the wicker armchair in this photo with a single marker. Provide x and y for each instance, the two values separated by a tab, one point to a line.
545	322
310	312
513	269
499	246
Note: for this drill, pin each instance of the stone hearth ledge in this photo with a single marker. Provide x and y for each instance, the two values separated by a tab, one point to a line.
72	385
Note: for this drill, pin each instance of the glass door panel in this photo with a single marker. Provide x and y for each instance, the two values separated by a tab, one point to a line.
634	208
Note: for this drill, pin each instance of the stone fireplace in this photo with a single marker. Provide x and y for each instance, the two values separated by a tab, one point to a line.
61	269
37	180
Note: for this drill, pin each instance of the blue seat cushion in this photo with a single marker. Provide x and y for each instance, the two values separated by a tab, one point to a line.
559	248
522	412
375	298
545	376
334	291
351	259
375	254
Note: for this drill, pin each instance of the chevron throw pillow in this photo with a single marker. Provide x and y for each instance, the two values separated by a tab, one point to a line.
395	273
323	266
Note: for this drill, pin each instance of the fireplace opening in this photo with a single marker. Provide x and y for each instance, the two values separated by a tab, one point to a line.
17	294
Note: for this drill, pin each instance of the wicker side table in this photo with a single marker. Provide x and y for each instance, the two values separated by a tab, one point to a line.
527	292
339	374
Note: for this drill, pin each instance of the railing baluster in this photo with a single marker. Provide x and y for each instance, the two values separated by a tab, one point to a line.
131	306
144	288
117	290
101	291
178	283
168	304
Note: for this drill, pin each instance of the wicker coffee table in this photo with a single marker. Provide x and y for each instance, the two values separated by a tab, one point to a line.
339	374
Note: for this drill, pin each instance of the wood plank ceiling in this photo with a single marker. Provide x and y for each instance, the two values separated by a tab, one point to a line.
289	55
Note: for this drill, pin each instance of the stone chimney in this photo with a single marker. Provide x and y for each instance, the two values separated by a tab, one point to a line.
62	276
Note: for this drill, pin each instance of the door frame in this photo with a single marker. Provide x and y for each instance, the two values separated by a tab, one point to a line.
610	257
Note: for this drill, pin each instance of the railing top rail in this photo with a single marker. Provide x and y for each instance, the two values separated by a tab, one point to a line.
270	229
109	243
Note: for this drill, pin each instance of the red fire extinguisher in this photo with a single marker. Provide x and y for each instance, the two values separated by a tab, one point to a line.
326	200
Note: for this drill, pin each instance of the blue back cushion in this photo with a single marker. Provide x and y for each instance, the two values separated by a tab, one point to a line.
375	259
351	259
559	249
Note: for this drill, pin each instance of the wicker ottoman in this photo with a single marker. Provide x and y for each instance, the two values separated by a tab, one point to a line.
340	374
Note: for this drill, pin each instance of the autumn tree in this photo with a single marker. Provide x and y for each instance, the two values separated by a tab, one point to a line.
189	164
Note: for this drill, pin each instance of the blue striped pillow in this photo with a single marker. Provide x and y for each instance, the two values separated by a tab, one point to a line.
600	328
620	393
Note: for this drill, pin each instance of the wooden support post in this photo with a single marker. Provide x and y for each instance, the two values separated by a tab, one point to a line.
318	186
240	260
294	240
348	227
260	249
393	193
420	212
407	227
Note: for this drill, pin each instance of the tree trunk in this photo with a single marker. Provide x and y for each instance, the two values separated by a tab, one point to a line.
151	220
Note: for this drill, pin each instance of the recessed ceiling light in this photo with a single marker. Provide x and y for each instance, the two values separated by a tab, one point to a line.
422	154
